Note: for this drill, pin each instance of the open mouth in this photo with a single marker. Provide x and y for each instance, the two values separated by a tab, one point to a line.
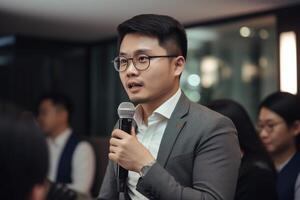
134	85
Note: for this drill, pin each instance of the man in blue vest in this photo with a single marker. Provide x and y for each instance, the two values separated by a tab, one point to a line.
72	161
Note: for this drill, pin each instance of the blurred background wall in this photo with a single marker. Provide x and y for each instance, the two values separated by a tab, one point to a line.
68	47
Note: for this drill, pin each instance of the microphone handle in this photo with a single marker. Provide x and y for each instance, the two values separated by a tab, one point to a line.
125	124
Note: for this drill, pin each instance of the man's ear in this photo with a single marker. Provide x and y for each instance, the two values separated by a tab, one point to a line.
38	192
179	65
296	128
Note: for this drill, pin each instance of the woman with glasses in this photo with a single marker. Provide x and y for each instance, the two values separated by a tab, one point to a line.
257	175
278	127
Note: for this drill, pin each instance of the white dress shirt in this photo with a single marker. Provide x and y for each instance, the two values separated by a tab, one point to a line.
83	162
150	135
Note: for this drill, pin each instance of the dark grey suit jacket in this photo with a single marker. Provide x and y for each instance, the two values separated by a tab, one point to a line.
198	158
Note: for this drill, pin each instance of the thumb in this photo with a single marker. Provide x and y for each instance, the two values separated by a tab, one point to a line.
133	133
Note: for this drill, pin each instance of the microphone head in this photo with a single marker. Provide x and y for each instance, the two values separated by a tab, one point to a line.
126	110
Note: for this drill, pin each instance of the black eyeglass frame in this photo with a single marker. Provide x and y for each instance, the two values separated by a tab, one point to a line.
114	61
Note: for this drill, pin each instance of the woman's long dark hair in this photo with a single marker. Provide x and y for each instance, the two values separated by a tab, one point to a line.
249	141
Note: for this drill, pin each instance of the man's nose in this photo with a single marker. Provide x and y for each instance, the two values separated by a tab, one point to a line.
131	70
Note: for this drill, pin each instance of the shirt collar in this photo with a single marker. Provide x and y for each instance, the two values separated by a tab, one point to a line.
281	166
61	139
166	109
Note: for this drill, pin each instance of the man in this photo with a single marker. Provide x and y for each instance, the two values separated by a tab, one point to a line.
180	150
23	155
72	161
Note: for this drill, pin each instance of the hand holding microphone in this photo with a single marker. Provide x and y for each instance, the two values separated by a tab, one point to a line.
128	152
125	149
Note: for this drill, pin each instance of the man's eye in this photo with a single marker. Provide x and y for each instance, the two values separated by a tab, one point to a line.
123	61
142	59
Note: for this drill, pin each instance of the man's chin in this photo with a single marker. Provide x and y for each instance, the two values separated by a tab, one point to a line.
138	100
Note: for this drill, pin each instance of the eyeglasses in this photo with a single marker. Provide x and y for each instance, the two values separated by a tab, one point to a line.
140	62
268	127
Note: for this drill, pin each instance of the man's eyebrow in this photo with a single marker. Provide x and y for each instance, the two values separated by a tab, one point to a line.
139	51
122	54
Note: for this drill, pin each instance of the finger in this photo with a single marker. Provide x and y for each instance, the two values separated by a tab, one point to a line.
115	142
112	156
113	149
117	133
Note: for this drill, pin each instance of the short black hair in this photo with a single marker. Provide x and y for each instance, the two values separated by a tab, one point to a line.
285	104
23	154
58	99
169	32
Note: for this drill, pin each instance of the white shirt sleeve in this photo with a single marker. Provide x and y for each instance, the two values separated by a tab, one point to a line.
83	168
297	187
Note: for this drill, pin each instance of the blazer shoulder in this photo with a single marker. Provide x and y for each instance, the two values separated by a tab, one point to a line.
208	117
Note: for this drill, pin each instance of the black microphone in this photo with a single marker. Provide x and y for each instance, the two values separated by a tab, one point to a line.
126	111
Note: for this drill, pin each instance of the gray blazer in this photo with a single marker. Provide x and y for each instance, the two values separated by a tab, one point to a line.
198	158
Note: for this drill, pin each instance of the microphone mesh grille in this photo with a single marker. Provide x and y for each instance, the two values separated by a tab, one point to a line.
126	110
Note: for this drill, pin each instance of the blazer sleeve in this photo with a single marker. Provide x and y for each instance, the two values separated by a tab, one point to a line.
109	185
214	175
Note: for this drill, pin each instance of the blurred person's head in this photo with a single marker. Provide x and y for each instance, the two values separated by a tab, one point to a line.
250	143
279	124
54	112
152	51
23	158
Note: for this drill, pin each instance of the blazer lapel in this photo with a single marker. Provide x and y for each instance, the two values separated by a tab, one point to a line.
173	129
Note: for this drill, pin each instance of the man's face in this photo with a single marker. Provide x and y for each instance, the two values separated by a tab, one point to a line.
275	134
47	116
155	84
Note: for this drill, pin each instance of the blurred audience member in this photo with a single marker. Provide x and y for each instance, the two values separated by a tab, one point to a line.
278	126
72	160
257	175
23	157
58	191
